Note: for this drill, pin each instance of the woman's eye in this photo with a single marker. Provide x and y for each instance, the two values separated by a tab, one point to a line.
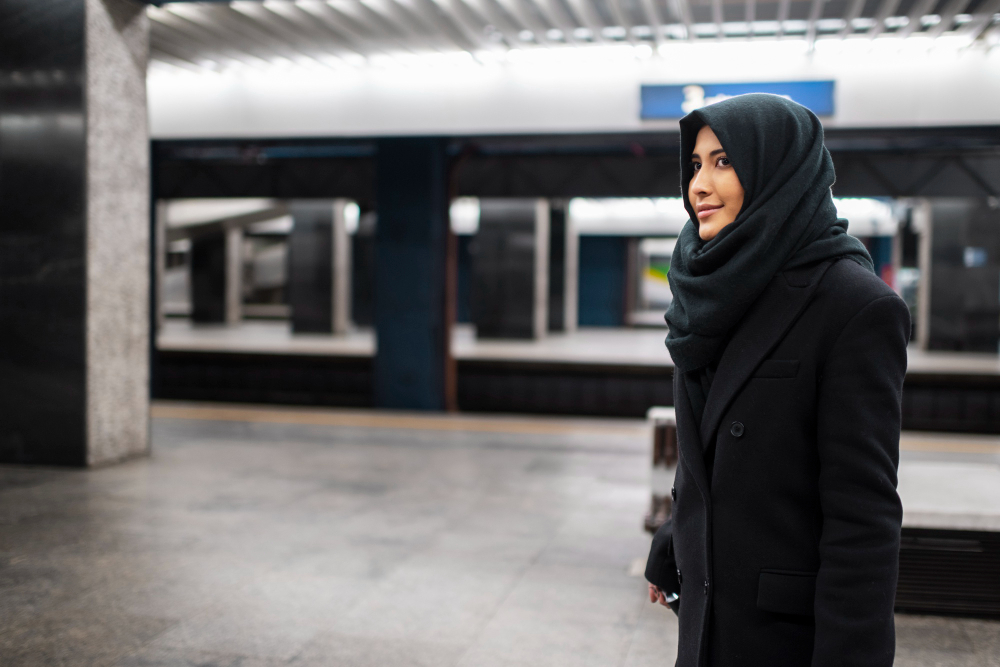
723	162
696	165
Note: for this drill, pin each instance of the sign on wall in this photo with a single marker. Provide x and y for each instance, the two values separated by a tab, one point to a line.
673	101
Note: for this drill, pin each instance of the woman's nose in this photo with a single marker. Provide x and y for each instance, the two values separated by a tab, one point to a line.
699	184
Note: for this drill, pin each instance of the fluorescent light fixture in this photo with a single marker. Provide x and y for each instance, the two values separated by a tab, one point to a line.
352	217
867	217
464	214
633	216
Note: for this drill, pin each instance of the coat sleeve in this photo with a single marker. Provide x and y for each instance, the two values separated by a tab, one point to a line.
661	567
858	422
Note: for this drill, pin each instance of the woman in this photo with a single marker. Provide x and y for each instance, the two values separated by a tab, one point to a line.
789	358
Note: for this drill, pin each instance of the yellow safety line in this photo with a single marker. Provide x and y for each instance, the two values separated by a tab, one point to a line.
459	423
958	446
388	420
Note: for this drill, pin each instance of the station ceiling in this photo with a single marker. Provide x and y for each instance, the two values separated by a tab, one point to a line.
338	33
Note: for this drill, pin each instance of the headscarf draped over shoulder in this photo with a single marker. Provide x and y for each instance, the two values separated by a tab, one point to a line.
788	220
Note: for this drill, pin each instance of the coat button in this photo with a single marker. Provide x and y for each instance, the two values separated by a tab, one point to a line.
736	429
680	579
673	493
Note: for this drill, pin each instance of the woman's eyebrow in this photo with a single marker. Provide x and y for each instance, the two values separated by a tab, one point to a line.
695	156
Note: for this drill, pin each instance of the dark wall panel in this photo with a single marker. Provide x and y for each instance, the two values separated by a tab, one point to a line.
310	267
567	389
264	378
208	278
42	235
602	281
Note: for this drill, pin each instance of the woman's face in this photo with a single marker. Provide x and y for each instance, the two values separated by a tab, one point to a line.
715	192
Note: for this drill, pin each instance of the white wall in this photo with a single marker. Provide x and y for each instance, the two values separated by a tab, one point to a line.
565	90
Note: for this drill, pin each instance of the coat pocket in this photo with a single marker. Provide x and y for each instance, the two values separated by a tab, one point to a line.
777	368
786	592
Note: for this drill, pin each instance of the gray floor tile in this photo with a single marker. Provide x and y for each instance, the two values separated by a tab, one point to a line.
284	545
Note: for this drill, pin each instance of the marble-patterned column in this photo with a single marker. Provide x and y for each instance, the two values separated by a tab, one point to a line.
74	244
510	288
319	266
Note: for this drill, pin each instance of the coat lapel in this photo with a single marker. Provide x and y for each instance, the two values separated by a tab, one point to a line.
760	331
688	438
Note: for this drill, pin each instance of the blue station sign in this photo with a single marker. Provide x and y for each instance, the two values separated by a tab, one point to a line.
673	101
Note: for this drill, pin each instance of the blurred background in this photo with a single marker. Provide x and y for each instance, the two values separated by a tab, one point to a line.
352	312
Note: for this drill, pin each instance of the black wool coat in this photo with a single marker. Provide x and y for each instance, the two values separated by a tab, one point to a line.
787	554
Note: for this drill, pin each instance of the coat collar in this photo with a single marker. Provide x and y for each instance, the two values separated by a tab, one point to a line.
760	330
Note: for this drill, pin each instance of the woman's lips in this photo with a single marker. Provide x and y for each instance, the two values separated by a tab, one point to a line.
707	211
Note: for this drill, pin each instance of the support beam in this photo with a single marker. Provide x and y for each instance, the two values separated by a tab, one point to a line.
75	238
920	9
556	15
853	12
750	15
495	16
885	10
510	287
529	22
815	12
413	366
234	275
783	7
653	18
619	13
948	14
717	18
683	8
981	20
923	221
298	21
589	17
319	267
204	37
456	16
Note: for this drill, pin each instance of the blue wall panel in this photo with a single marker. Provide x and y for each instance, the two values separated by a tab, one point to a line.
410	268
603	263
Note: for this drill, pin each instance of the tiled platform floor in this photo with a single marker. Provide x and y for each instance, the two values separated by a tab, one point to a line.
374	541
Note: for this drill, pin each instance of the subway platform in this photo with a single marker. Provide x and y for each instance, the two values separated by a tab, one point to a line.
266	537
596	371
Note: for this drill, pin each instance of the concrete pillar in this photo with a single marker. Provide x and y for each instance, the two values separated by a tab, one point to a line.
319	267
510	287
571	282
923	221
413	367
234	274
342	251
75	239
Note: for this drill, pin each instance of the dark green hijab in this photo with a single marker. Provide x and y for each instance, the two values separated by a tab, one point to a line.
788	220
